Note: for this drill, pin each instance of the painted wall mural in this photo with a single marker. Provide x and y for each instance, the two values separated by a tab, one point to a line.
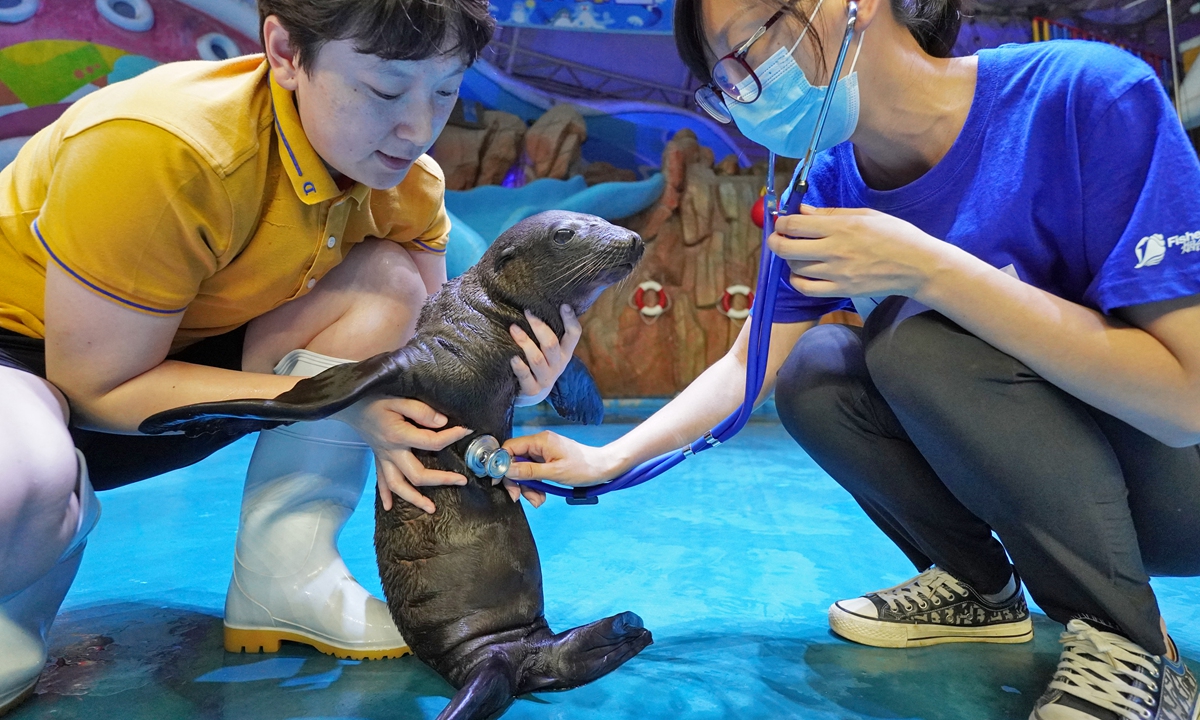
626	16
53	52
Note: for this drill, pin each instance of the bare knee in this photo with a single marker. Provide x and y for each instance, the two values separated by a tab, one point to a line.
366	305
37	505
386	270
385	293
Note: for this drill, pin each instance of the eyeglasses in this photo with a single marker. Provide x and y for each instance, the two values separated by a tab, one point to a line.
733	77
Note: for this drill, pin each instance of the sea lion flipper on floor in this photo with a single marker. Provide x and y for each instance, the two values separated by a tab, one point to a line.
575	396
313	398
488	690
577	657
542	661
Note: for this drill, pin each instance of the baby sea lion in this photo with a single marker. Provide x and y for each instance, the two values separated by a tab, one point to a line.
464	584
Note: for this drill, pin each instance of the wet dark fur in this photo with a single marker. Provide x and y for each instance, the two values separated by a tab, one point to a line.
464	585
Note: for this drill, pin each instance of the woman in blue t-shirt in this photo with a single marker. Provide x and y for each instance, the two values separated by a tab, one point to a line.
1021	229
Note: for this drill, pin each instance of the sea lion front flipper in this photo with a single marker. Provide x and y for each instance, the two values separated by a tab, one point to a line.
487	691
575	396
312	398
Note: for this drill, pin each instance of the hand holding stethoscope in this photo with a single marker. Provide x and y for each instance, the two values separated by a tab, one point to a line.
838	252
783	98
831	252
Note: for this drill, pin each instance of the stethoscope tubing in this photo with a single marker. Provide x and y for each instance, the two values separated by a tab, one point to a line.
770	273
758	350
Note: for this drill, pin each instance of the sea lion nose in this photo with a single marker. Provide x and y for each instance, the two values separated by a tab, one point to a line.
636	244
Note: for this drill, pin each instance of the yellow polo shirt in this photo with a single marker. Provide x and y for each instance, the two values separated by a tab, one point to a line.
192	190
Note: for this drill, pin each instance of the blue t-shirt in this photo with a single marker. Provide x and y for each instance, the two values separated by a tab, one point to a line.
1072	168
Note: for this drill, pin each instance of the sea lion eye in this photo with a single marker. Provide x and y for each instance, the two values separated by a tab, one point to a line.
563	235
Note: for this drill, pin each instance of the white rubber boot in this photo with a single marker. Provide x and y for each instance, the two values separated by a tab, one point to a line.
25	617
289	582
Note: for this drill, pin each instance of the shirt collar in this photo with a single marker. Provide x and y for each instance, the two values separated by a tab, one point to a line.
360	193
312	182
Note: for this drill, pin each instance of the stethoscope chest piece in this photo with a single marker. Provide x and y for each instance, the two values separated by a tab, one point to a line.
486	458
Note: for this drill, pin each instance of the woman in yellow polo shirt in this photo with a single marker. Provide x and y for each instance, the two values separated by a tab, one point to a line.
212	230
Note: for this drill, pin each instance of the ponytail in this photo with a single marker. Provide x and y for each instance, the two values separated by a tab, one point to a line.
934	23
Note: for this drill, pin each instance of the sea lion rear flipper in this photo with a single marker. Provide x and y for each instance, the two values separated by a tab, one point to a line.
579	656
575	396
312	398
487	691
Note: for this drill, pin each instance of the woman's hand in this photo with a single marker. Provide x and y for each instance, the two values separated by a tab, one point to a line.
384	425
559	459
545	359
836	252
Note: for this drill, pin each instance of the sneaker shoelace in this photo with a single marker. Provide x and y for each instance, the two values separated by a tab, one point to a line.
922	589
1108	671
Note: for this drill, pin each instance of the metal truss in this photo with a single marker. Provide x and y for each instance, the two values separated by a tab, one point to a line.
574	79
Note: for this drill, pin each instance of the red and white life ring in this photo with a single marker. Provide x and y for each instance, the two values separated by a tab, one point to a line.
639	299
727	302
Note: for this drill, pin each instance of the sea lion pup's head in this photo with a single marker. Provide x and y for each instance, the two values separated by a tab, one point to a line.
558	257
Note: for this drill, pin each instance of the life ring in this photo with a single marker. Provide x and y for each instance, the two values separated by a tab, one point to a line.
131	15
727	302
215	46
22	11
639	302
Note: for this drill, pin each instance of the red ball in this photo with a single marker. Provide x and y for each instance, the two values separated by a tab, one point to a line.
756	212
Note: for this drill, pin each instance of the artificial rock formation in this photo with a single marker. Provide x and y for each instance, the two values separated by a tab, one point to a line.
553	143
481	152
457	151
700	244
482	147
598	172
505	141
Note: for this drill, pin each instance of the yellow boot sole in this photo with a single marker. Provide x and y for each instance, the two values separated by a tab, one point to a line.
239	640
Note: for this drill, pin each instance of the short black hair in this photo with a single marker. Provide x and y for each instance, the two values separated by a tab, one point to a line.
934	23
693	46
391	29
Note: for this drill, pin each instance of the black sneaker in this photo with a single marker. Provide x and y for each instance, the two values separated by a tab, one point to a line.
932	608
1104	676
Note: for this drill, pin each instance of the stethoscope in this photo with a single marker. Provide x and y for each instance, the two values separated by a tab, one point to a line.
486	458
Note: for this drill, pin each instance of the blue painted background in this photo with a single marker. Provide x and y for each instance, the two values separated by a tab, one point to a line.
646	16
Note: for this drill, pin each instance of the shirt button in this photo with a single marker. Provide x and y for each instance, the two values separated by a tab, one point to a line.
311	283
331	242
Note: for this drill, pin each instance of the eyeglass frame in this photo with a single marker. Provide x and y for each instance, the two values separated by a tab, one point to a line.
738	55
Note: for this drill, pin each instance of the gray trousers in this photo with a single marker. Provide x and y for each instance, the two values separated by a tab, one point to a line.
943	439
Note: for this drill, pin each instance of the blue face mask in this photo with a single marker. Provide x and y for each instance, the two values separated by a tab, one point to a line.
784	116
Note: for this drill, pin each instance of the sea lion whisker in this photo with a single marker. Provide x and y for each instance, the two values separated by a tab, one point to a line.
591	265
581	272
588	265
623	286
565	280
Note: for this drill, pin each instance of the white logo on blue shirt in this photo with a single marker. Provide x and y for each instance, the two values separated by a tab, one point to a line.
1187	243
1150	250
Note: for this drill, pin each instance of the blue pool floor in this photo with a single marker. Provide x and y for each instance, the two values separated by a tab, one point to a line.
732	559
